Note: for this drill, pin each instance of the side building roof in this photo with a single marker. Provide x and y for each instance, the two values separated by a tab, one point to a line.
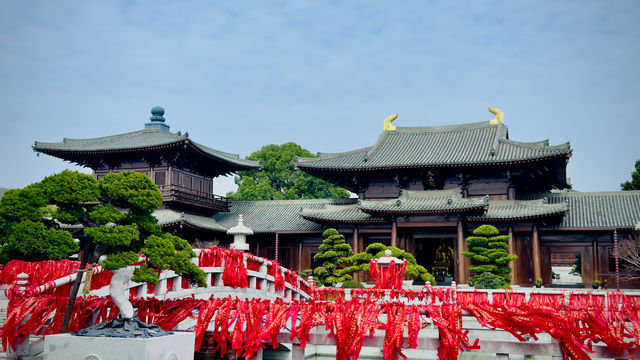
273	216
597	210
168	217
479	143
513	210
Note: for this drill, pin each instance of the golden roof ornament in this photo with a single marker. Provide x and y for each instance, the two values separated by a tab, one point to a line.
388	121
499	116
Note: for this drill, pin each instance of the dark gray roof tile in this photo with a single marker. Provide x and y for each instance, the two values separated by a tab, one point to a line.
437	146
509	210
340	214
168	217
425	202
276	215
598	210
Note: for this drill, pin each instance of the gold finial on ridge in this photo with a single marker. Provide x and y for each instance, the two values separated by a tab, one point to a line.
388	121
499	116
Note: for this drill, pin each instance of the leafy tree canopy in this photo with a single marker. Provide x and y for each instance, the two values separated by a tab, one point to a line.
115	213
634	184
279	180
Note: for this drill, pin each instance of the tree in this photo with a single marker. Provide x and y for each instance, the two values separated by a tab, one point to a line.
114	215
489	254
23	233
629	254
360	261
634	184
279	180
332	249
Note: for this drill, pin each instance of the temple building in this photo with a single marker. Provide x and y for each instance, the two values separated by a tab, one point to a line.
423	189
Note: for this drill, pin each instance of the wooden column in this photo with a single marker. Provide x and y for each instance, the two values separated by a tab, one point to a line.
535	252
277	246
300	255
355	242
512	251
461	271
394	234
596	260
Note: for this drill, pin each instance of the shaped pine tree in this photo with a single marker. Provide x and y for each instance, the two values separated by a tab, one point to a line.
333	247
489	252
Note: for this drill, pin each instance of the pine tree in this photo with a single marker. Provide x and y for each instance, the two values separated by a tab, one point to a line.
333	247
360	262
489	253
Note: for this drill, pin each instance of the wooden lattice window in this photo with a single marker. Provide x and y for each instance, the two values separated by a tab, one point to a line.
161	178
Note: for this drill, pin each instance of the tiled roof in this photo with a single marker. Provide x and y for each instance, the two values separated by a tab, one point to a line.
136	141
425	202
276	215
340	214
438	146
168	217
519	209
599	210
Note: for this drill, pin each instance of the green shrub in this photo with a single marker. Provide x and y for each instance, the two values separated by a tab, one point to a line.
488	280
352	284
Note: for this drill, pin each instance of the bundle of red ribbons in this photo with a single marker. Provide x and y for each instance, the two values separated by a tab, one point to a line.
244	326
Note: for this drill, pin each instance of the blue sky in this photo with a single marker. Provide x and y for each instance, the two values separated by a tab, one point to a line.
324	74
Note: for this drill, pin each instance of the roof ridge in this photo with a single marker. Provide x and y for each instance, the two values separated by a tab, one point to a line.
325	156
443	192
329	201
447	128
595	193
181	137
537	144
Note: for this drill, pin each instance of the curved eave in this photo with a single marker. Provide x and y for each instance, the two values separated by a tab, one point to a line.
473	164
54	152
343	221
429	212
517	218
186	223
238	163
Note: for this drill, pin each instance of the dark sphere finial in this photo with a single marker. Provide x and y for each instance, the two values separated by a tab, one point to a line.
157	113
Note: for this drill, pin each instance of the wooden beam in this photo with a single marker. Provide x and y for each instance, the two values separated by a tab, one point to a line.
427	224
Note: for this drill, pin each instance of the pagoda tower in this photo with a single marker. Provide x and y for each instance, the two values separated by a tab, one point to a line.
183	170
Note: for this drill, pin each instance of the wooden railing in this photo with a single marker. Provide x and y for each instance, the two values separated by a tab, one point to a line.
189	196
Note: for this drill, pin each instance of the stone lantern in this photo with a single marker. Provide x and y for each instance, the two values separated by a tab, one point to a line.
388	259
240	233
